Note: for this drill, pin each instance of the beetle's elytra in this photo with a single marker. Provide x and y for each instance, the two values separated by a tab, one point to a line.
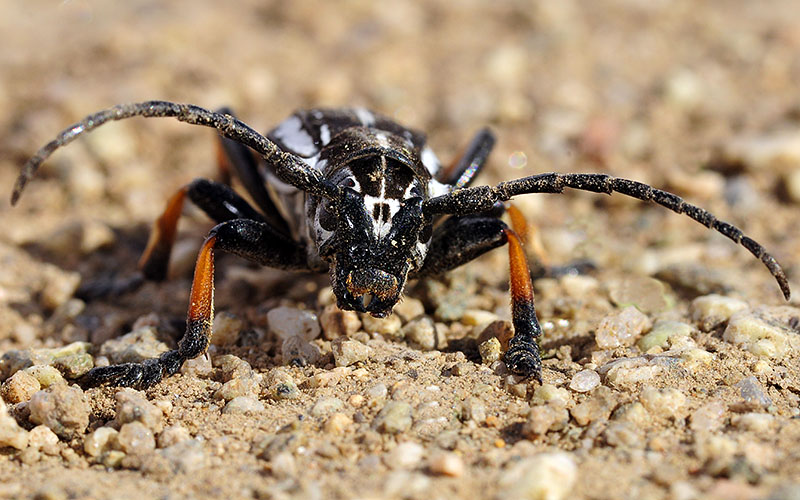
357	195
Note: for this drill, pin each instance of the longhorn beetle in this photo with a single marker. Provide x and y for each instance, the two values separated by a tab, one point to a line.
355	194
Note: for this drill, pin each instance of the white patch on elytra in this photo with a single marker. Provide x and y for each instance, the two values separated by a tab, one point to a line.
291	133
364	116
325	134
429	159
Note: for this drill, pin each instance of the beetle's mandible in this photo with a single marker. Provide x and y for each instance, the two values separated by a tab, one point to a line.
357	195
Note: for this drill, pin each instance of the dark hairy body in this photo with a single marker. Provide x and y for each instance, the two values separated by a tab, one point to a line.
354	194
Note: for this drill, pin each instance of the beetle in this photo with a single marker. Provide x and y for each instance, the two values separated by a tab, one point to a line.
353	193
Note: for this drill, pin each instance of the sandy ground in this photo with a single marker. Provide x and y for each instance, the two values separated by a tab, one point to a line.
697	98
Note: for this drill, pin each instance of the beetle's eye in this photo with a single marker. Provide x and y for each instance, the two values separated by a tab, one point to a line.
349	182
327	215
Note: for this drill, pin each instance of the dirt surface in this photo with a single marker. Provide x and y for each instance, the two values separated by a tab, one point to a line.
692	393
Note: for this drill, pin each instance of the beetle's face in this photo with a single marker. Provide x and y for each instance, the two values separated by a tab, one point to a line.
372	235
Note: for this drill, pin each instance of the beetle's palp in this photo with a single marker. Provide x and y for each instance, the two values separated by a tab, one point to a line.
482	198
288	167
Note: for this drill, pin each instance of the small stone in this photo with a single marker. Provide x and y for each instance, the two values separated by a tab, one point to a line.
356	400
11	434
74	366
349	352
597	408
476	317
232	367
61	408
501	330
490	351
226	329
708	418
241	405
760	423
46	375
136	439
446	464
395	417
664	403
100	441
791	182
546	476
544	418
578	285
621	328
406	455
283	465
199	367
712	310
646	294
473	409
337	323
753	394
20	387
662	332
549	393
627	372
328	378
384	326
584	381
59	286
774	151
338	423
134	347
326	406
423	334
377	392
758	332
247	385
409	308
299	352
185	456
132	406
288	322
42	438
174	434
624	435
112	458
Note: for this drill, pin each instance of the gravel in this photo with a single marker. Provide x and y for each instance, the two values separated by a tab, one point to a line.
132	406
11	434
349	352
395	417
62	408
622	328
546	476
136	439
584	381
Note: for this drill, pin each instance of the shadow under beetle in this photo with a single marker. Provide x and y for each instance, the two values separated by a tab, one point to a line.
355	194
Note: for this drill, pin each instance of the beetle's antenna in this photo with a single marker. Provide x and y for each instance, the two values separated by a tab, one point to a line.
288	167
481	198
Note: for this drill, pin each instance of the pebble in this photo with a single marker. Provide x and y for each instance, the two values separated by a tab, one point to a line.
134	347
132	406
708	418
172	435
664	403
245	385
19	387
423	334
477	317
757	332
546	476
42	438
409	308
647	294
299	352
199	367
186	456
329	378
349	352
501	330
338	423
760	423
377	392
75	365
226	328
578	285
775	151
394	417
103	439
597	408
136	439
46	375
11	434
662	333
544	418
62	408
446	464
490	351
753	393
384	326
337	323
243	405
584	381
59	286
709	311
473	409
624	435
550	394
232	367
112	458
791	182
621	328
290	322
326	405
406	455
627	372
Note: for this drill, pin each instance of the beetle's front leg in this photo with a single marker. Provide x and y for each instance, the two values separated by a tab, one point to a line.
254	240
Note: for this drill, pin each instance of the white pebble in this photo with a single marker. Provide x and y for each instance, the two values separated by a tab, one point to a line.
286	322
547	476
405	455
584	381
447	464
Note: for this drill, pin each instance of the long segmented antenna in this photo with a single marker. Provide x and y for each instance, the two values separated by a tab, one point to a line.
481	198
288	167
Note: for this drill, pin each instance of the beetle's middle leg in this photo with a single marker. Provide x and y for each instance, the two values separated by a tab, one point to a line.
254	240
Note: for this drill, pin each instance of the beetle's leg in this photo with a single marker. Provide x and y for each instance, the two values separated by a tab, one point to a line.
254	240
288	167
219	201
481	198
461	172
